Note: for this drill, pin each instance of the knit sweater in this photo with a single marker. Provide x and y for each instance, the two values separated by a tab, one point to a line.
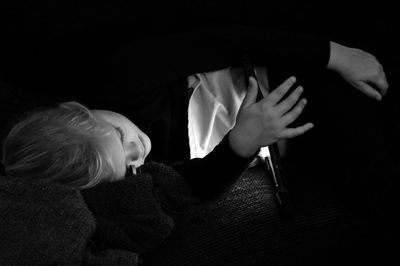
47	223
50	224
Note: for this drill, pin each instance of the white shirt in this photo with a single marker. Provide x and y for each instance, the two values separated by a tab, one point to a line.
214	105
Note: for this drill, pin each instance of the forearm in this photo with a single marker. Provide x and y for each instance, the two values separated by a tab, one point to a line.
275	47
216	172
334	56
162	59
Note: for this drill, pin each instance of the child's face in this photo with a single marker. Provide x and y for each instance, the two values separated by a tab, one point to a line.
127	145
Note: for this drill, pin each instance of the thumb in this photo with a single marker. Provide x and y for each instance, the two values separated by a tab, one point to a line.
251	94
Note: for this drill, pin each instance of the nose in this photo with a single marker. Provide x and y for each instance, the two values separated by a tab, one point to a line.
145	140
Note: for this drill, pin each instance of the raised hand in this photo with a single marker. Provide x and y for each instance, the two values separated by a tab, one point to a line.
360	69
262	123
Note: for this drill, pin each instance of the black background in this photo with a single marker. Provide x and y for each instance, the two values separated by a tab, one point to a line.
52	44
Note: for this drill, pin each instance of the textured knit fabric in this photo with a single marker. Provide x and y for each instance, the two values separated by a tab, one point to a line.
141	205
42	223
46	223
245	227
49	224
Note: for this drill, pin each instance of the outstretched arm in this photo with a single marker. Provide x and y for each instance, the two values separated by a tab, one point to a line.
162	59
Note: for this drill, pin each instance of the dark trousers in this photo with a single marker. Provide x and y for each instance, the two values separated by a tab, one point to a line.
352	149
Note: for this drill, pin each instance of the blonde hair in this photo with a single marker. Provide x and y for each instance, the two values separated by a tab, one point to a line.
59	144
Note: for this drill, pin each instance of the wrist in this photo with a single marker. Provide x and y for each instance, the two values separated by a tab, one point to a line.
239	146
333	57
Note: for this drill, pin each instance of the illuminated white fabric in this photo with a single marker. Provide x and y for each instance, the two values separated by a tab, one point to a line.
214	104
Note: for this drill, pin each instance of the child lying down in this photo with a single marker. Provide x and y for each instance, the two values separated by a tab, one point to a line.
103	154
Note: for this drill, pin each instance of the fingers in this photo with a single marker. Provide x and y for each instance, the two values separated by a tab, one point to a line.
369	91
277	94
290	101
251	95
294	132
382	83
378	80
291	116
